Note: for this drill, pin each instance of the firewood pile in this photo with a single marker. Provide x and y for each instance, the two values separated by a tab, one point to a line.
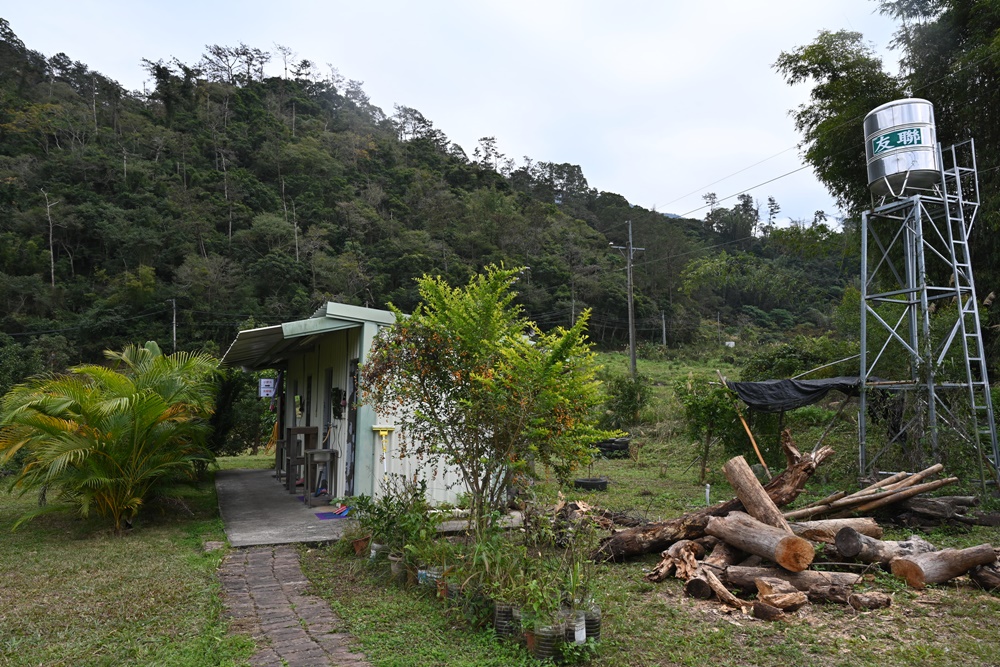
817	553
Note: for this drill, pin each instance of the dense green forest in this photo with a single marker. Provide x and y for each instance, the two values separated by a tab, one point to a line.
236	199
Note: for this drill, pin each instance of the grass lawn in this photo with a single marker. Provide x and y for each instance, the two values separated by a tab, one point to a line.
73	594
655	624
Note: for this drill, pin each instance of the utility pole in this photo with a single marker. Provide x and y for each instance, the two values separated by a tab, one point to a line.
629	252
173	302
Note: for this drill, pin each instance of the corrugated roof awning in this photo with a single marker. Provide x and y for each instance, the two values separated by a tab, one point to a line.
267	347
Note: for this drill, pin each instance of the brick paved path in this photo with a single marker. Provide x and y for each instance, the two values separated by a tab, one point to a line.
263	595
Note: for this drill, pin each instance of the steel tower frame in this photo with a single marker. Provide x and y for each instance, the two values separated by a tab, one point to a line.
909	246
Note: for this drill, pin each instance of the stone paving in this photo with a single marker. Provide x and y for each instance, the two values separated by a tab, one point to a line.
263	592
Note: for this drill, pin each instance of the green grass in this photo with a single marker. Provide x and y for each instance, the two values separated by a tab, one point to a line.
655	624
73	594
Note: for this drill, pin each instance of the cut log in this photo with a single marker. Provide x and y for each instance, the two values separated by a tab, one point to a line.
654	537
681	559
837	594
742	530
745	577
753	496
852	544
825	530
724	594
943	507
767	612
870	600
779	593
722	556
940	566
986	577
772	586
786	601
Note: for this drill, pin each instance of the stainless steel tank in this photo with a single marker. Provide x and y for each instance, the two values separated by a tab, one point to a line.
901	147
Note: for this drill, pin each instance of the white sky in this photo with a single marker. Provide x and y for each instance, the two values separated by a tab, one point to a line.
654	100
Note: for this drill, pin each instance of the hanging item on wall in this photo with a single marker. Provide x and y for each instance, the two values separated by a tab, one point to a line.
339	400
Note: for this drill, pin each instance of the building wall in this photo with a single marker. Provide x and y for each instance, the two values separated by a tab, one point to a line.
313	375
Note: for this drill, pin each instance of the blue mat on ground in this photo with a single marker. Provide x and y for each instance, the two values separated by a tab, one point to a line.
323	516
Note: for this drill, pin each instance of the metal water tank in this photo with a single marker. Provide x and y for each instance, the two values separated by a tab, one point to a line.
901	147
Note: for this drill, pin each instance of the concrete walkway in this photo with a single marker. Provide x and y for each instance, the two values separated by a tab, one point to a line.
257	510
263	586
264	595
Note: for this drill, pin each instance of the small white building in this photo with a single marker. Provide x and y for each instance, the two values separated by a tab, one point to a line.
325	435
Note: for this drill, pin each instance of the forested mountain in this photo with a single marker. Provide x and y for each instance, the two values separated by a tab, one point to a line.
242	199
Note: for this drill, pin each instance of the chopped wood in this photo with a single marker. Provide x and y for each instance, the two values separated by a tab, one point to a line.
852	544
835	593
752	494
938	567
772	586
767	612
785	601
721	557
681	559
654	537
743	531
869	600
722	592
943	507
986	577
745	577
779	593
825	530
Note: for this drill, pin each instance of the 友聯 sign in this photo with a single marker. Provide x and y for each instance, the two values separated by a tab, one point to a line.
266	388
913	136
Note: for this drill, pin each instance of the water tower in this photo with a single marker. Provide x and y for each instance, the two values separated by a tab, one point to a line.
925	392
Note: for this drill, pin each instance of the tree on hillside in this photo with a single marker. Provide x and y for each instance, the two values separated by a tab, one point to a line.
105	439
476	385
848	82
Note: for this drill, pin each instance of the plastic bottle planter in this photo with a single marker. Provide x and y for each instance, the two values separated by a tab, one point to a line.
592	622
397	568
575	627
378	551
546	640
503	620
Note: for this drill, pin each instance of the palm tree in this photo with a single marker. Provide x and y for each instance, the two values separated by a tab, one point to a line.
104	438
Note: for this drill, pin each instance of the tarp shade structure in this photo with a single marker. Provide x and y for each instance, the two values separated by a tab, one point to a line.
781	395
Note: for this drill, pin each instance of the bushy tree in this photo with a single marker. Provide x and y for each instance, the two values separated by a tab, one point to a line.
103	439
476	385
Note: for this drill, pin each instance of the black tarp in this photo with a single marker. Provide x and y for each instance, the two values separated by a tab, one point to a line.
779	395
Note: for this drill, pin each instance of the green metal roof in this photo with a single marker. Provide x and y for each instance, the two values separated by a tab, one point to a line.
267	347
